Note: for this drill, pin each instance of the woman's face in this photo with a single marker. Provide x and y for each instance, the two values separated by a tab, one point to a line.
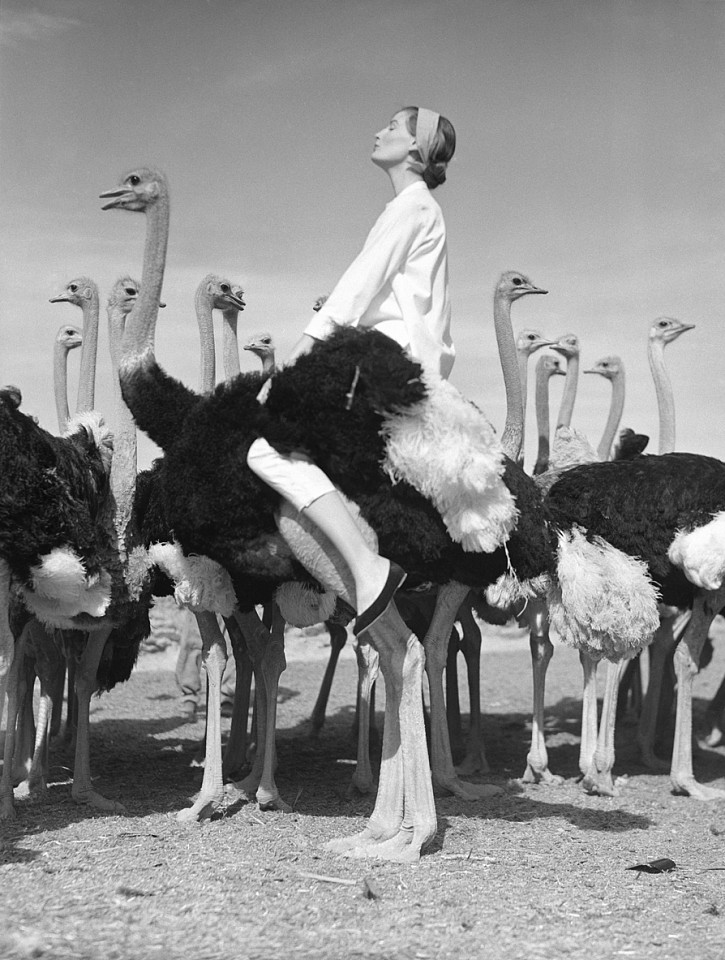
393	143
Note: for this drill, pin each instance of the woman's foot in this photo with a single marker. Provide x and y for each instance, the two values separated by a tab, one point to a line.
374	611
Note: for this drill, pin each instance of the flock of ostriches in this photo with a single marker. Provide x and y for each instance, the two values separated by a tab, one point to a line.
613	549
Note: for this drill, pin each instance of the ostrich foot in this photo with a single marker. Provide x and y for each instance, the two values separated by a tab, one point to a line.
599	783
7	809
371	834
267	800
35	791
715	737
689	787
465	791
541	775
91	798
404	847
204	807
474	762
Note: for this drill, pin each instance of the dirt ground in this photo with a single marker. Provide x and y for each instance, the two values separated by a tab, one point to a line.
539	872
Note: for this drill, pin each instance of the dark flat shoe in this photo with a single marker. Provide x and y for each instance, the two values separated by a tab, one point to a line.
366	619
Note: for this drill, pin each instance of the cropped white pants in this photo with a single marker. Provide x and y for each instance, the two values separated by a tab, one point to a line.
293	475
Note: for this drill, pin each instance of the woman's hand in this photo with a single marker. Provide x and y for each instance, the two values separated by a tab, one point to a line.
262	395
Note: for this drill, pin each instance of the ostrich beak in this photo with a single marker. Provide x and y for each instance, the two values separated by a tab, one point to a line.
61	298
117	196
533	289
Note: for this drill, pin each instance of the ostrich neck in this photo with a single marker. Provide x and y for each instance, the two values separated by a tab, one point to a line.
60	385
89	351
542	420
204	318
230	344
567	401
123	465
665	396
269	364
613	420
513	431
138	338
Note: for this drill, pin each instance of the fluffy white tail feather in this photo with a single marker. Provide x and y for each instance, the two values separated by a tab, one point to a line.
446	448
700	553
302	605
200	583
60	588
603	600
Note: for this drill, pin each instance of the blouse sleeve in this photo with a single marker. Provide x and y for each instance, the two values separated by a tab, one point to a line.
385	251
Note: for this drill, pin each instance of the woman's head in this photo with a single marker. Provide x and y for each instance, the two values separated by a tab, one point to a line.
397	143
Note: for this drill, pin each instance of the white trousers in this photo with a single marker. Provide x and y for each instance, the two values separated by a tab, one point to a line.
292	475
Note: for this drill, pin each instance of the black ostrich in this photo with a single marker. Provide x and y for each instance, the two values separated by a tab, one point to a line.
232	519
664	515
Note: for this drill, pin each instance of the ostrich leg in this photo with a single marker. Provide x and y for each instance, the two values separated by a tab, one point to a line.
404	818
82	790
598	778
236	748
475	760
338	639
12	687
7	640
368	663
25	729
687	658
214	658
542	650
449	599
590	721
267	652
453	700
714	715
666	637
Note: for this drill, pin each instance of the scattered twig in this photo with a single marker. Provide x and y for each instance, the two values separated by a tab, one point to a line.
323	879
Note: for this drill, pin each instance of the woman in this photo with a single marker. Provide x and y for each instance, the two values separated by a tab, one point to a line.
398	284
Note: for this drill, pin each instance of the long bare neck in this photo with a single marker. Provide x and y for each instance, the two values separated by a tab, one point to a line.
542	417
89	351
513	431
124	464
138	338
616	408
207	357
569	396
230	344
665	396
269	364
60	384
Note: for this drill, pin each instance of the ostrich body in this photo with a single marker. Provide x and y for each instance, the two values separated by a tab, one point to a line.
242	536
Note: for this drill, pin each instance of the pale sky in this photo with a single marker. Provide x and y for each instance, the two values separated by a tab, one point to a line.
591	138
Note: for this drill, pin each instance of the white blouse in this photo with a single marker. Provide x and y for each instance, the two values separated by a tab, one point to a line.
398	283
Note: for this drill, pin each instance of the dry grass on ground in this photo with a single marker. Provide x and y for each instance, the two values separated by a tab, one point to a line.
540	872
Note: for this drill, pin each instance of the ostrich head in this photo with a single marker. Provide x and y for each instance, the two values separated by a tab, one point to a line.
567	345
68	337
78	291
550	365
529	341
221	294
512	285
124	294
609	367
261	344
139	189
11	396
667	329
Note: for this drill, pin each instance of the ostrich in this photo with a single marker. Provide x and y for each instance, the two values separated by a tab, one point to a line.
68	338
83	293
567	345
53	496
547	366
527	343
612	369
664	516
243	536
262	346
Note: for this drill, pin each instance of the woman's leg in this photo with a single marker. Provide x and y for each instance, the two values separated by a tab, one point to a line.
297	479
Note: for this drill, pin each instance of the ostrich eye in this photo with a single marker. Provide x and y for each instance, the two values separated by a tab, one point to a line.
517	281
663	323
225	288
134	180
131	291
73	287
